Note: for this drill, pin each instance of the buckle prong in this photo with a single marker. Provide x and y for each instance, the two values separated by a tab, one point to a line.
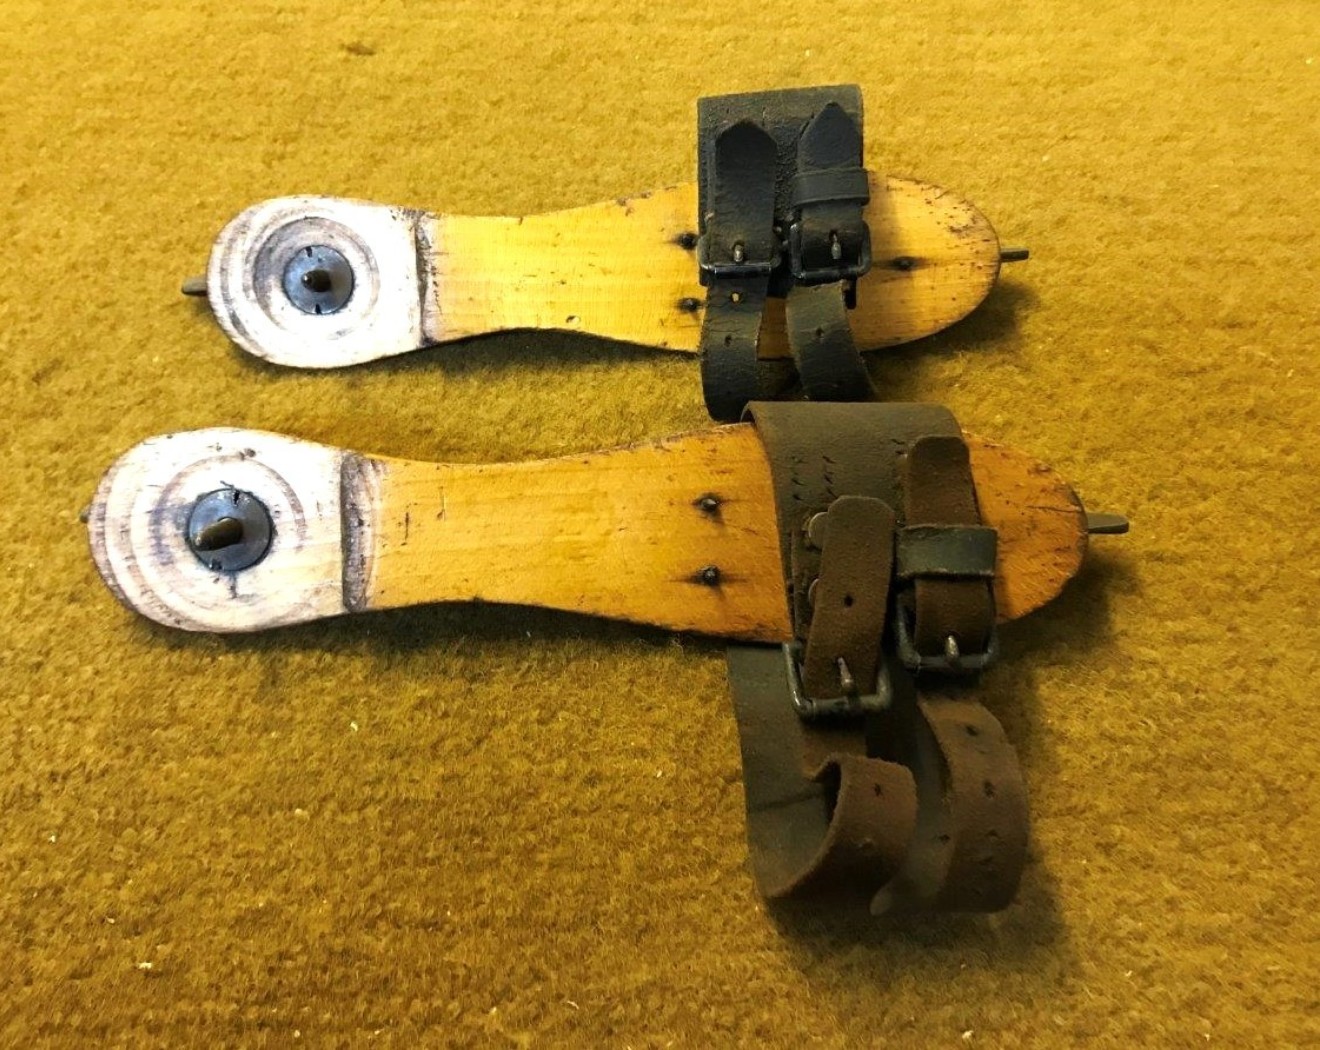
952	661
850	705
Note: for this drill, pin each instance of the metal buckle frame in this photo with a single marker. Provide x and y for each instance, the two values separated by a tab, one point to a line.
850	705
827	274
720	270
953	661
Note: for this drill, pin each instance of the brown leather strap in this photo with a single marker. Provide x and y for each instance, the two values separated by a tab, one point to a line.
821	814
942	828
821	452
850	598
970	840
919	803
938	492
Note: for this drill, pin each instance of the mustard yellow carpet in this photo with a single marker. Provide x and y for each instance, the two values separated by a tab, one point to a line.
498	827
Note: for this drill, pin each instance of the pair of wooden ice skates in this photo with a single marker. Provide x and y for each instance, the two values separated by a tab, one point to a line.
859	555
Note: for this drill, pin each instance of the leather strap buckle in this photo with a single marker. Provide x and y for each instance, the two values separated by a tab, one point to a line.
735	265
841	270
953	661
851	705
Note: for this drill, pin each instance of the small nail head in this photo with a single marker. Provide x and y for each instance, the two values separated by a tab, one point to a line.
815	530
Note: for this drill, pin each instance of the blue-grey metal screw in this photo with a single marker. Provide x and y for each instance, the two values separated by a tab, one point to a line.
318	279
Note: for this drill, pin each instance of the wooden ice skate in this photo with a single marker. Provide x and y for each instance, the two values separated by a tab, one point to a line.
240	530
322	282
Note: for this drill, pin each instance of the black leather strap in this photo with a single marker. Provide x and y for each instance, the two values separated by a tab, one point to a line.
829	240
782	193
821	339
738	252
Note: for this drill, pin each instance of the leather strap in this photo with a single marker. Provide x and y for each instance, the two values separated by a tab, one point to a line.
829	240
829	248
849	599
969	844
940	498
738	251
782	192
820	452
821	813
821	339
918	803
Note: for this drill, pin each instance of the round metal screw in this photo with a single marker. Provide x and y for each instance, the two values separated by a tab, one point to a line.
229	530
318	279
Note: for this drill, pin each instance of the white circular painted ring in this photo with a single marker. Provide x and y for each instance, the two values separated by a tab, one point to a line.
382	317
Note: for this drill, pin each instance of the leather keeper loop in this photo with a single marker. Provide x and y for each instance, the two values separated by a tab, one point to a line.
950	551
840	184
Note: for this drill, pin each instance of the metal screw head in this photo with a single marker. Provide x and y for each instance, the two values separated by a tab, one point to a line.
229	530
318	279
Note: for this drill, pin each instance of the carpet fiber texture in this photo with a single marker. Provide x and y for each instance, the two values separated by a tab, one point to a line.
498	826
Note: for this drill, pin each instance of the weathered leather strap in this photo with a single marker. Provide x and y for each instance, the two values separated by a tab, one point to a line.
821	813
829	247
918	803
782	191
828	240
849	599
738	252
969	844
819	453
821	340
940	499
